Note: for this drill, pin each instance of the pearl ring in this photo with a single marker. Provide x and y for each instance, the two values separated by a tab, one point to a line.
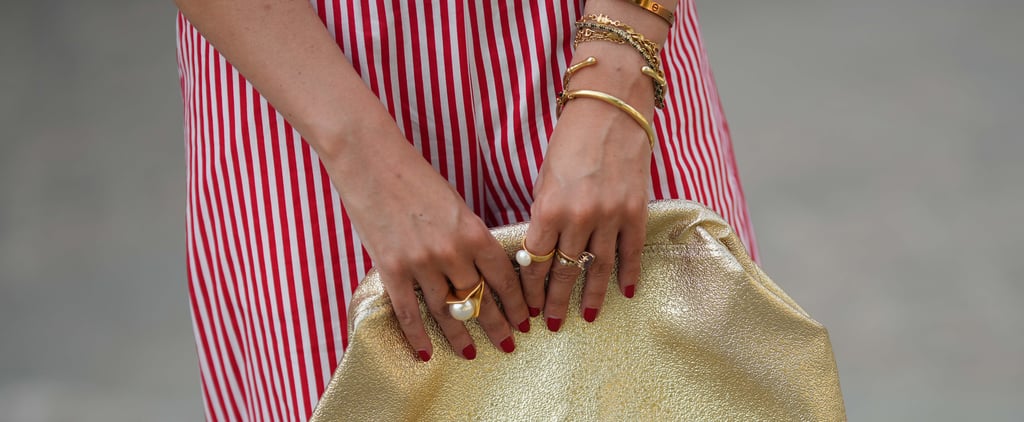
467	307
524	257
583	261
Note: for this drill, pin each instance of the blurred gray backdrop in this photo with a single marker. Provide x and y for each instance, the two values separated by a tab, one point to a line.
880	143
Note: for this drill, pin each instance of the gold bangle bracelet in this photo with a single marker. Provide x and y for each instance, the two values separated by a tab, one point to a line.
660	85
603	28
615	101
589	61
656	8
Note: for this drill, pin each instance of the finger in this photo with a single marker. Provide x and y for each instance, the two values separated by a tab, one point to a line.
632	238
540	240
465	278
563	278
435	291
407	310
494	323
602	245
496	268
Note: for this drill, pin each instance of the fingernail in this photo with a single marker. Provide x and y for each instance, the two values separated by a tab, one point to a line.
554	324
524	327
507	345
469	352
534	311
630	290
590	314
424	355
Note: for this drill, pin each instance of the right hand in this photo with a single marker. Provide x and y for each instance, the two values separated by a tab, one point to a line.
419	232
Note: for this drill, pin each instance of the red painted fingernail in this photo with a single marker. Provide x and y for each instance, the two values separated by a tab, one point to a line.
507	345
469	352
630	291
590	314
554	324
524	327
534	311
424	355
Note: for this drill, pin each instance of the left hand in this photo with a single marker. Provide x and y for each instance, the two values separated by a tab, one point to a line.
591	195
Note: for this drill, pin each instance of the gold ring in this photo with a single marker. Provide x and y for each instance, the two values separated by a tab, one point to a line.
465	304
583	261
524	257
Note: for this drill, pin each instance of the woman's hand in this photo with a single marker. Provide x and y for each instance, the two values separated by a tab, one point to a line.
591	193
420	232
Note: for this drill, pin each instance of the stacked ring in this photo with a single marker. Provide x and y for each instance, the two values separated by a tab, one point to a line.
583	261
468	306
524	257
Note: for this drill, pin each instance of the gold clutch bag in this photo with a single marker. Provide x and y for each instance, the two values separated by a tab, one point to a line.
708	337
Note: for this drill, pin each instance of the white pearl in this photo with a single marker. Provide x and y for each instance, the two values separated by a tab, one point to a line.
523	258
462	311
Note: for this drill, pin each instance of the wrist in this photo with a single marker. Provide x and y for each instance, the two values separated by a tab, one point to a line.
341	140
616	73
592	131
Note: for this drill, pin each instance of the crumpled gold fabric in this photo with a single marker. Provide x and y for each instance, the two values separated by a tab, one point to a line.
708	337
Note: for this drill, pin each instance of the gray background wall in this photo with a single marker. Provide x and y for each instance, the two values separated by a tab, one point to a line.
879	142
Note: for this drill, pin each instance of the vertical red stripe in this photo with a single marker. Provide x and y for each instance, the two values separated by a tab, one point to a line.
269	265
215	372
255	352
270	339
229	315
464	40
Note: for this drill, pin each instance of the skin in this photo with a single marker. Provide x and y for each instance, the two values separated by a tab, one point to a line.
591	193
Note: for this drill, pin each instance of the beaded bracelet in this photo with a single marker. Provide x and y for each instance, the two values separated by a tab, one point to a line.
601	28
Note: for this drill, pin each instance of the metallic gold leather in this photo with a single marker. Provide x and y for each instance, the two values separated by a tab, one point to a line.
708	337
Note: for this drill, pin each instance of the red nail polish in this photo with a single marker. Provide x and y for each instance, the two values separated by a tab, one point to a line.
507	345
590	314
524	327
534	311
424	355
469	352
630	290
554	324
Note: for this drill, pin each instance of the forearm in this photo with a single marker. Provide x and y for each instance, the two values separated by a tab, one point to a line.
285	51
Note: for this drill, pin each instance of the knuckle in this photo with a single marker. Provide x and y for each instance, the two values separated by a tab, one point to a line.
490	250
581	213
480	239
503	285
438	308
629	255
457	339
415	258
494	325
564	276
407	317
554	211
447	254
531	274
609	208
389	266
544	215
635	208
601	268
557	304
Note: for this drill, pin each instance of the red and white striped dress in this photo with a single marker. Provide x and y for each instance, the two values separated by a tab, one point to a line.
272	256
